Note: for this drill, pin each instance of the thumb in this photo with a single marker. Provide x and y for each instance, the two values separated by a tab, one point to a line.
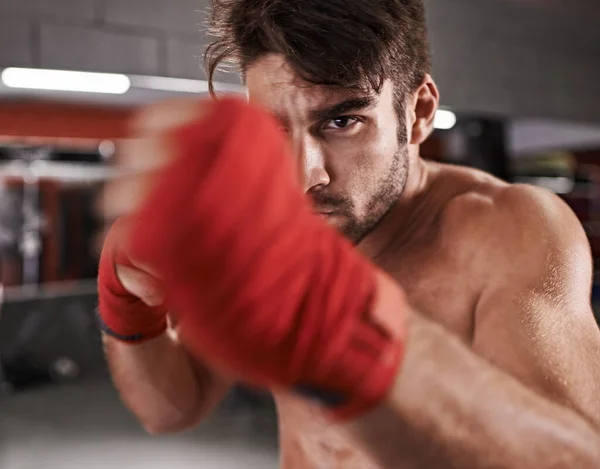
141	285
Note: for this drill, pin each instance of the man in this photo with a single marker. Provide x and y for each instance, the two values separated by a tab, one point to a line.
501	366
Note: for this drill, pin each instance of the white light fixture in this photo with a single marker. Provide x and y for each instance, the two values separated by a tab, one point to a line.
176	85
62	80
180	85
444	120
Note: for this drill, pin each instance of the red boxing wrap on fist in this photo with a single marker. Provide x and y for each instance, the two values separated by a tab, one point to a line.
260	284
121	314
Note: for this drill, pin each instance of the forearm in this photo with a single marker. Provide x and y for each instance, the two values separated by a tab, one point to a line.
451	409
160	385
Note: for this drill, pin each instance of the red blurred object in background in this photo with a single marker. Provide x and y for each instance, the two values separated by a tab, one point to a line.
64	208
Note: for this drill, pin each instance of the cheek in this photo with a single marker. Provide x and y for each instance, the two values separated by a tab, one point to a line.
360	169
376	155
354	163
376	164
349	161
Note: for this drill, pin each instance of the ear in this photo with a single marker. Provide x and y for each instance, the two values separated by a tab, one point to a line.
425	104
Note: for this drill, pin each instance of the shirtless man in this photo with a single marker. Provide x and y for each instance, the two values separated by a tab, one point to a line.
502	359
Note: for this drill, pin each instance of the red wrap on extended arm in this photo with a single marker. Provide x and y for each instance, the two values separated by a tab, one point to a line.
120	314
260	284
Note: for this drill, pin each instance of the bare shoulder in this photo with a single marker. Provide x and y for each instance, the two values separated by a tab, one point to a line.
536	227
510	218
536	210
531	265
472	194
518	229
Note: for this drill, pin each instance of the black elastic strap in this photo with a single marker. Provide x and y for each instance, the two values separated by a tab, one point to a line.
124	338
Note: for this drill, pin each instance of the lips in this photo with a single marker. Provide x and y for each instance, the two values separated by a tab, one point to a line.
324	209
324	212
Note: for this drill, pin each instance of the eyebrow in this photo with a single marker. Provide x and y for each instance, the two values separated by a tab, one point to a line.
350	105
353	104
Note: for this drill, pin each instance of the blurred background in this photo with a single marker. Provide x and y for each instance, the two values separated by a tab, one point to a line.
520	99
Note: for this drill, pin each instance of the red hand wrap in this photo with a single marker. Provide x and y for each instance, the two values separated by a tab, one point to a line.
121	314
261	285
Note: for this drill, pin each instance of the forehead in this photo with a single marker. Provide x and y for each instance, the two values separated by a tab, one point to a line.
274	84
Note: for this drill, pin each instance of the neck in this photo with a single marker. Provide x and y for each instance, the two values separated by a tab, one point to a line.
402	216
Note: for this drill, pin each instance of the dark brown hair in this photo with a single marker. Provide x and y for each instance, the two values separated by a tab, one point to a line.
342	43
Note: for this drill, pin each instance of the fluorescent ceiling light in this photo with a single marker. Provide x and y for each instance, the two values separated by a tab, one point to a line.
177	85
62	80
180	85
444	120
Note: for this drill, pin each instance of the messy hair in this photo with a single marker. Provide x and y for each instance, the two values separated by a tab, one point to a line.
352	44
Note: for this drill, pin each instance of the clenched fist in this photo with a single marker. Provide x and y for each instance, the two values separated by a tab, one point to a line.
149	149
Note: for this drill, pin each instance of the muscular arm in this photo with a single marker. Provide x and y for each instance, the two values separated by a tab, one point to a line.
161	385
158	381
526	395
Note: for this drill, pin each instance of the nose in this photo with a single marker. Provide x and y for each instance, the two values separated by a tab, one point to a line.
316	177
312	162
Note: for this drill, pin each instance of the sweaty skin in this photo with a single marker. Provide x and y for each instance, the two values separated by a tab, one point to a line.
504	271
549	343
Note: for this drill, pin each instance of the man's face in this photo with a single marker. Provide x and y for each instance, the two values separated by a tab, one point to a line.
352	147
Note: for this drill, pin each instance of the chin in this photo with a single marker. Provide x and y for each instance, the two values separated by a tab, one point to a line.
333	220
342	228
340	224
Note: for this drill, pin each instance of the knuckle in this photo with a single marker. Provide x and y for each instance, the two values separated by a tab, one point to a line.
165	116
125	195
143	154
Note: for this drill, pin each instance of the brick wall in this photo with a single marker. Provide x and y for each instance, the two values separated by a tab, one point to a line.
496	56
148	37
520	57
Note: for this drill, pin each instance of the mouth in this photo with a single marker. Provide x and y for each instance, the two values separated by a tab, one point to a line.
324	210
324	213
328	216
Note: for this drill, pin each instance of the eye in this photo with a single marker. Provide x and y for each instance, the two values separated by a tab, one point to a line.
341	123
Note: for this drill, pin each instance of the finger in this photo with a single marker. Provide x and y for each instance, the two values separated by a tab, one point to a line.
126	195
120	229
145	268
291	110
136	159
141	285
144	154
168	115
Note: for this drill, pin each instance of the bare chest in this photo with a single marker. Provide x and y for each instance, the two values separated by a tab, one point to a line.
441	289
437	288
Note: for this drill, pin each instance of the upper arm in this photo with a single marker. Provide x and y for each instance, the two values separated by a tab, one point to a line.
534	318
